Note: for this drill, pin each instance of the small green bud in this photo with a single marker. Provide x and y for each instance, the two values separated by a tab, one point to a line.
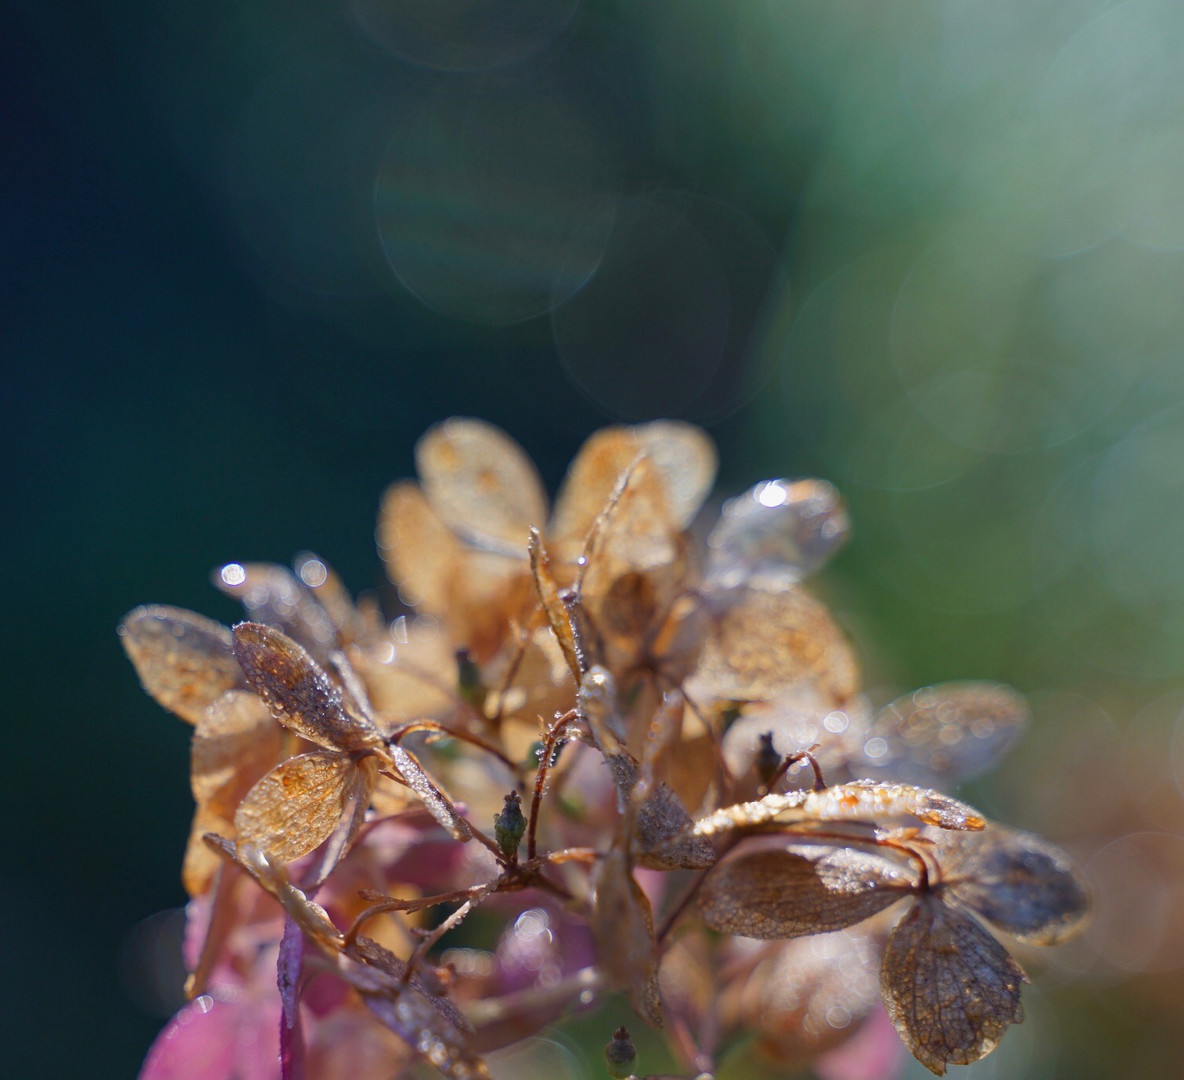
620	1053
510	826
768	761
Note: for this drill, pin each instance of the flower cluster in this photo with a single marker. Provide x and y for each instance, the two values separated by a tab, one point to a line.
646	761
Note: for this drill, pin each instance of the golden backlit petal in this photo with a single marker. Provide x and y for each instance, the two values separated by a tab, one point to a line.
420	551
790	890
949	987
271	594
859	801
622	925
236	741
410	673
950	732
200	862
481	484
184	660
763	645
295	807
297	691
1016	881
682	454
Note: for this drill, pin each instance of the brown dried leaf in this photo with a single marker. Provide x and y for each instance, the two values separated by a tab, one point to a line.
764	644
950	988
797	889
952	732
295	807
480	483
297	691
1018	882
622	925
184	660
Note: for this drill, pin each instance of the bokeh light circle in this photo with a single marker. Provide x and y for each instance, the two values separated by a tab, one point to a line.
677	319
463	35
494	201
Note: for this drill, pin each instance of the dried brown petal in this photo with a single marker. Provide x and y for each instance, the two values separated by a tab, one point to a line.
1016	881
421	552
439	805
622	925
777	533
236	741
764	644
432	1025
297	691
480	483
410	674
798	889
861	800
184	660
295	807
952	732
557	613
683	455
270	594
950	988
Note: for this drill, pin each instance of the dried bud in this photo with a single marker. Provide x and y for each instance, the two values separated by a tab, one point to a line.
768	761
510	826
620	1053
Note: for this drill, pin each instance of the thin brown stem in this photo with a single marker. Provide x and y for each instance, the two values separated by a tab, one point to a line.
540	779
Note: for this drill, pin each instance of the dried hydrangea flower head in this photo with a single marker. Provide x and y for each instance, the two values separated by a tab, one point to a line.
649	764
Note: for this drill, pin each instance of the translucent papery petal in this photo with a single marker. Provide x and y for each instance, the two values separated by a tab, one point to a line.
859	801
327	589
236	741
200	863
420	551
438	804
1016	881
803	995
762	645
683	455
295	807
411	674
776	534
948	733
297	691
622	925
184	660
272	595
481	484
950	988
794	889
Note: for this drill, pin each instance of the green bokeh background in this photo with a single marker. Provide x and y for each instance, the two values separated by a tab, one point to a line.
931	251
